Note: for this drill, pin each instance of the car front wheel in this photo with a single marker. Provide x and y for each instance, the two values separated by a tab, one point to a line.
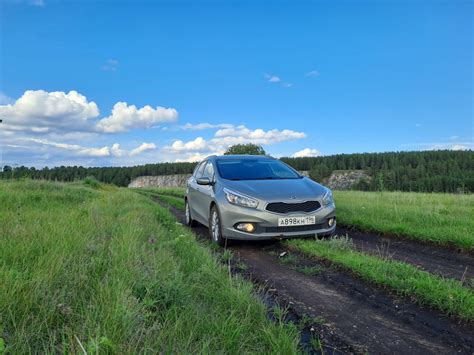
188	218
215	227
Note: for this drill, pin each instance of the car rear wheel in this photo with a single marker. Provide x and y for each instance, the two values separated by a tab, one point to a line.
215	227
188	218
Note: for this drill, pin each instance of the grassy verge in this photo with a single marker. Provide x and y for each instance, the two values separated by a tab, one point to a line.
102	269
439	218
424	288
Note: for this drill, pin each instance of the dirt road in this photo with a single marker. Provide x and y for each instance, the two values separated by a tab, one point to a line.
352	315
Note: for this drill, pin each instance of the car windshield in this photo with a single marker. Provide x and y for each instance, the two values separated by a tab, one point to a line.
255	169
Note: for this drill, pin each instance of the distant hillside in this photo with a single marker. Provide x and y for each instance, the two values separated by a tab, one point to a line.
428	171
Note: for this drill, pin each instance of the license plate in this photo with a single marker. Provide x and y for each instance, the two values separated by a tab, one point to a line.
296	221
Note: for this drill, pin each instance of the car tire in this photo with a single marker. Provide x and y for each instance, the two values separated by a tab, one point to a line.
215	227
190	222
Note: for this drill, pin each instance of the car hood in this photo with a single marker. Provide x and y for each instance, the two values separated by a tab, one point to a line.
278	190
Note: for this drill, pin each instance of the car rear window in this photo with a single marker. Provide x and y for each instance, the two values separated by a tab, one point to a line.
255	169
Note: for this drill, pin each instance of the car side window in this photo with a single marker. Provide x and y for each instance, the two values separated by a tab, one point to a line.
200	170
209	171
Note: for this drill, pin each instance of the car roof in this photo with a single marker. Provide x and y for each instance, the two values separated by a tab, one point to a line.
241	156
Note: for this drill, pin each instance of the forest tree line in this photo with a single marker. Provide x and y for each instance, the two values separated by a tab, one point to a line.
422	171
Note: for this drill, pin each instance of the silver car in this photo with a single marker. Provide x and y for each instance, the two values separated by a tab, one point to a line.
252	197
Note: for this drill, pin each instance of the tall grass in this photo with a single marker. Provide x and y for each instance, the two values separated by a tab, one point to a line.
440	218
102	269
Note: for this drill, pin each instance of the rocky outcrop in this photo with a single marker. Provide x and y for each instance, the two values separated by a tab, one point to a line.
339	180
346	179
178	180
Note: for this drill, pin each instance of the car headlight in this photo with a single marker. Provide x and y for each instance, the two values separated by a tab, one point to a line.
240	200
327	198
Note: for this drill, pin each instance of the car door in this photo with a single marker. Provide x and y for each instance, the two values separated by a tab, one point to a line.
194	195
206	192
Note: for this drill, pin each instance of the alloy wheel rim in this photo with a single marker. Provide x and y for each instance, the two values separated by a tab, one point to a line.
188	217
215	226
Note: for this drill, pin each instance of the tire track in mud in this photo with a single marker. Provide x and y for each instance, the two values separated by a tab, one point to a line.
351	311
437	260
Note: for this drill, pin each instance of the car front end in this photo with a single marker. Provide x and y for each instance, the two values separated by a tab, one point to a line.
283	215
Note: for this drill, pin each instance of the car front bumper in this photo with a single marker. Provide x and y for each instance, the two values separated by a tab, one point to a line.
267	223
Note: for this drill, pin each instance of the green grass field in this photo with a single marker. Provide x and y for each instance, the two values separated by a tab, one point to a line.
96	269
446	219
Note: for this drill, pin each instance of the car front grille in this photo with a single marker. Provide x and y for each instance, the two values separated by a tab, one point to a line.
282	207
289	229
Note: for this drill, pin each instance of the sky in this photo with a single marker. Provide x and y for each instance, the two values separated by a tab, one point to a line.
120	83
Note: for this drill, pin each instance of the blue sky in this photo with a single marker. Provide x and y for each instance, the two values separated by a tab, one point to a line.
298	77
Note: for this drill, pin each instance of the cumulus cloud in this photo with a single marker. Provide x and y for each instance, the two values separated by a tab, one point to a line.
312	73
307	152
442	146
116	151
79	150
272	78
41	111
462	146
197	144
241	135
226	137
125	117
191	158
105	151
143	147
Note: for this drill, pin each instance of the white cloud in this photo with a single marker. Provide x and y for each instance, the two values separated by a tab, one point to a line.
143	147
272	78
453	138
287	85
84	151
125	117
116	151
462	146
202	126
242	134
226	137
312	73
41	111
37	2
110	65
418	125
190	158
197	144
307	152
442	146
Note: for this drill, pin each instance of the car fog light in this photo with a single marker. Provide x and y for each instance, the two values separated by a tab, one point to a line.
246	227
331	222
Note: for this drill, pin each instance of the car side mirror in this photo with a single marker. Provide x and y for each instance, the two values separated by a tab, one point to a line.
204	181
